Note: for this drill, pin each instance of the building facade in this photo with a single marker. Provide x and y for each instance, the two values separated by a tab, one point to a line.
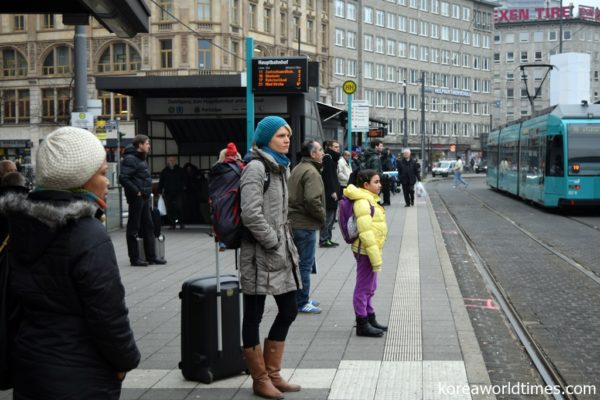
387	46
531	38
187	37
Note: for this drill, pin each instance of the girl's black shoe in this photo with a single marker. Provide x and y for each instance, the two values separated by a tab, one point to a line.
364	328
375	324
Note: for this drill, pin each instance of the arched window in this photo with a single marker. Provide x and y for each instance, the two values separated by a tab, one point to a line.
12	63
59	61
119	57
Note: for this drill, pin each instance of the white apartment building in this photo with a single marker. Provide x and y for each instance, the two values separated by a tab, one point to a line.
522	38
384	45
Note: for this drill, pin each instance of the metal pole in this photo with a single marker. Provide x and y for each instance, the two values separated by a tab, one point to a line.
349	129
423	155
405	137
249	94
80	103
298	40
560	22
118	160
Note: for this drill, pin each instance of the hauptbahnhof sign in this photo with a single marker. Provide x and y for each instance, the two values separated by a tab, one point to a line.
280	75
503	15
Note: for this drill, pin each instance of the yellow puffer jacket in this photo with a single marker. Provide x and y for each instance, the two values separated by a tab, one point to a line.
372	231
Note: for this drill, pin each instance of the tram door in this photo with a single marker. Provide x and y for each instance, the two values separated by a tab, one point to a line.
555	171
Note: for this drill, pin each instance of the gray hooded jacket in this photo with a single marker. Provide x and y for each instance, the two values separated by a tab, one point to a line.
268	256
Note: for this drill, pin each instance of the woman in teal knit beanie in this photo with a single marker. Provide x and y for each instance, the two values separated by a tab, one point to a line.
268	256
265	130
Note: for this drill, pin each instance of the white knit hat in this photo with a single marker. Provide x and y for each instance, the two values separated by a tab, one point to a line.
68	158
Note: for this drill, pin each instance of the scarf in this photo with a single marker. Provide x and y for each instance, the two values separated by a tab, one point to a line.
280	158
85	193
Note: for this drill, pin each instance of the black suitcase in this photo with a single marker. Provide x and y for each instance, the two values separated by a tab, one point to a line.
159	242
210	328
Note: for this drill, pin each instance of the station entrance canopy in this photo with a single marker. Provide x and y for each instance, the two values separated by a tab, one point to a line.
125	18
204	112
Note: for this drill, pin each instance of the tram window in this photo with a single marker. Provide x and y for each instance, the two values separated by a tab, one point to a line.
582	149
554	156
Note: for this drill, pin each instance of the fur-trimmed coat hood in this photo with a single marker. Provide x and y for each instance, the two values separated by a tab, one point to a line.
35	218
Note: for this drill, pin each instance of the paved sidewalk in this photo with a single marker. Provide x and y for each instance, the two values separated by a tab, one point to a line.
429	352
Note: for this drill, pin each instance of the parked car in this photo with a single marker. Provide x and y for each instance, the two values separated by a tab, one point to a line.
444	168
481	167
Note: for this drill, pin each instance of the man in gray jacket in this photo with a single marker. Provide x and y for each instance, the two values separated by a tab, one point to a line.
307	215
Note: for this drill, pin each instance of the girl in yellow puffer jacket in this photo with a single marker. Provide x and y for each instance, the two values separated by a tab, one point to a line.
372	232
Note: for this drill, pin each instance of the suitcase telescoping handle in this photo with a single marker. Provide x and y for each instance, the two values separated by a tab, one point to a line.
219	300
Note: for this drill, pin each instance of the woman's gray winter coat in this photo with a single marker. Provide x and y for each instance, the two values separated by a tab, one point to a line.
268	256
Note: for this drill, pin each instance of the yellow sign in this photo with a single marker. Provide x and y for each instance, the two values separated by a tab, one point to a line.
349	87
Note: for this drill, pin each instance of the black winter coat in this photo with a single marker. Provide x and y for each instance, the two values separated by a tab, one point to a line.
172	181
373	160
135	175
73	332
330	179
408	171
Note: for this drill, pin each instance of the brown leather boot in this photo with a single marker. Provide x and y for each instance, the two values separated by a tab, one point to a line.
261	383
273	356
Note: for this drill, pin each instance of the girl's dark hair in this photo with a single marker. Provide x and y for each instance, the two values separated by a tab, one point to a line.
364	176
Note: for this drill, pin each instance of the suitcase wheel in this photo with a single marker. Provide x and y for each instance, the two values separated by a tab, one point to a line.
207	377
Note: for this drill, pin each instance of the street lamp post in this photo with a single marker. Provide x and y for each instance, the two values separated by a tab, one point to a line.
423	154
405	137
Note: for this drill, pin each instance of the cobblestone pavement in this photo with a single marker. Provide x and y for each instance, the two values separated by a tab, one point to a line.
559	304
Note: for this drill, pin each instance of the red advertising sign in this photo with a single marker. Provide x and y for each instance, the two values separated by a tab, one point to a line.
504	15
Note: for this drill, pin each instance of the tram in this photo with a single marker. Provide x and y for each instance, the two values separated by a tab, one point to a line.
551	158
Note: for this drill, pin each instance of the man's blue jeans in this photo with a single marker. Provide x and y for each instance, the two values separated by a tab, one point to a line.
306	242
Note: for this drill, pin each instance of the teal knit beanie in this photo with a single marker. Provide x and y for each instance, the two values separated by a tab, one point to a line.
266	129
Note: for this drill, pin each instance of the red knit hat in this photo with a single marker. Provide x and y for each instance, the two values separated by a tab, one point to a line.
231	150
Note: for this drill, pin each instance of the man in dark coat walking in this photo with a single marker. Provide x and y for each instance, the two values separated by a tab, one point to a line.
172	186
137	182
332	191
408	174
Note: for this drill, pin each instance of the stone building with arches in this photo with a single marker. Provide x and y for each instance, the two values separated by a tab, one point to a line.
186	37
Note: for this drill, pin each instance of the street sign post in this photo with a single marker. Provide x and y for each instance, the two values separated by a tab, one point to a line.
82	120
349	88
360	115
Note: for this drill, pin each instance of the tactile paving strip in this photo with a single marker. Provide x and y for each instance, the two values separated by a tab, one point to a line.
403	339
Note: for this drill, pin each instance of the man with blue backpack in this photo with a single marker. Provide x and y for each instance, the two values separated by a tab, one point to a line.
307	215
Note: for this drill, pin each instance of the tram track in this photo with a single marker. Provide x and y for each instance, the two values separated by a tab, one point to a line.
588	272
541	361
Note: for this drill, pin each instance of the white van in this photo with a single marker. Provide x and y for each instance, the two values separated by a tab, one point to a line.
444	168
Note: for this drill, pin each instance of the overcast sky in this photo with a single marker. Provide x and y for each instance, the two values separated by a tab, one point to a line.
593	3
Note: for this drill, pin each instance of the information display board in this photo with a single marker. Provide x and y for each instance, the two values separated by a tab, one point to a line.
377	132
280	75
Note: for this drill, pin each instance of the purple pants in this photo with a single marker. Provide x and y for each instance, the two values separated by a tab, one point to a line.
366	283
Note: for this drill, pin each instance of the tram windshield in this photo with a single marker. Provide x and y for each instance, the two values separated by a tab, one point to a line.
584	149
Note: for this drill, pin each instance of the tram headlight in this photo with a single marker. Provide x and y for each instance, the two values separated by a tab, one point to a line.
575	167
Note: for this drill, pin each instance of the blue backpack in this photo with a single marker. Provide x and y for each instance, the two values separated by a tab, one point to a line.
347	221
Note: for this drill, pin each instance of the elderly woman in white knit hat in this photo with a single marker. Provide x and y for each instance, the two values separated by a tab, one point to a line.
73	339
